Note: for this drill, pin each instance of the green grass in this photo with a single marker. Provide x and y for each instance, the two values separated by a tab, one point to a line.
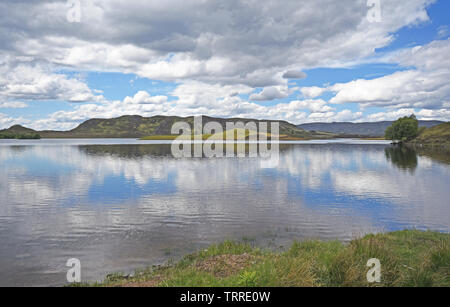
435	136
408	258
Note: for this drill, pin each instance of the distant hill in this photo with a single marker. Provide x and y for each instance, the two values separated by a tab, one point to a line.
436	136
362	129
19	132
18	129
134	126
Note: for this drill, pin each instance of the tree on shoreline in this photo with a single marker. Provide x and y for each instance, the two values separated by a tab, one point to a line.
404	129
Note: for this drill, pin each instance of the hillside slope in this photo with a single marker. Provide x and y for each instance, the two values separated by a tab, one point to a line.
362	129
18	129
19	132
134	126
435	136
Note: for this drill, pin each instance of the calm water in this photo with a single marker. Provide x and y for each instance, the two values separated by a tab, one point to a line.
117	205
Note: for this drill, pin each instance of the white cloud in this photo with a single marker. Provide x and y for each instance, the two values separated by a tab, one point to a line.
25	81
443	31
422	114
198	94
432	56
344	115
425	86
13	105
142	97
314	106
253	42
216	52
392	115
394	89
7	121
442	114
270	93
196	98
312	91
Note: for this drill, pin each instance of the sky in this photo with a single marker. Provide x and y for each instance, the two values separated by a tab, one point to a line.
63	62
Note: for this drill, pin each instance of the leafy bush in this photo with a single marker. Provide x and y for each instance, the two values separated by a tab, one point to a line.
7	136
404	129
28	136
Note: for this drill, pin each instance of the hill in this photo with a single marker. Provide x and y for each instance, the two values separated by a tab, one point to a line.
362	129
435	136
135	126
18	129
19	132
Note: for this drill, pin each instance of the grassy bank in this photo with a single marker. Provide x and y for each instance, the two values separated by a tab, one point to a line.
438	136
408	258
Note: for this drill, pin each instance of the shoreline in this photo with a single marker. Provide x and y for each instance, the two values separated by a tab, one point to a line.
408	258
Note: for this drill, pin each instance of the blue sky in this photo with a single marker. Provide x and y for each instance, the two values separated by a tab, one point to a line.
318	61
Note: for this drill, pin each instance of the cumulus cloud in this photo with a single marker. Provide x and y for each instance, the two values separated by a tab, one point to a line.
216	52
270	93
423	114
312	91
142	97
31	81
328	117
205	40
7	121
311	105
443	31
196	98
393	115
13	105
425	86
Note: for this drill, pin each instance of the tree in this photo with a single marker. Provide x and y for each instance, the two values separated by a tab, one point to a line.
389	133
404	129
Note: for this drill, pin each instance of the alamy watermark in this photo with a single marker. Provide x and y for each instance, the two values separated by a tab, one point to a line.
74	273
209	140
374	12
74	11
374	273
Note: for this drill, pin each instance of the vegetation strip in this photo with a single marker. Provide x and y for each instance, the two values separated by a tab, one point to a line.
408	258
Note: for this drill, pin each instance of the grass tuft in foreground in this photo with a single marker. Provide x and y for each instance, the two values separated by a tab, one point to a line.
408	258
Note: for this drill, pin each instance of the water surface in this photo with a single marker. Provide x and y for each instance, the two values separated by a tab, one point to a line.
118	205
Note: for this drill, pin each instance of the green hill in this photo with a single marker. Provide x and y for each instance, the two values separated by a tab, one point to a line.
19	132
134	126
435	136
19	129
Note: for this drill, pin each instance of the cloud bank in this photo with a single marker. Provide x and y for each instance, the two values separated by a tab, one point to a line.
226	58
